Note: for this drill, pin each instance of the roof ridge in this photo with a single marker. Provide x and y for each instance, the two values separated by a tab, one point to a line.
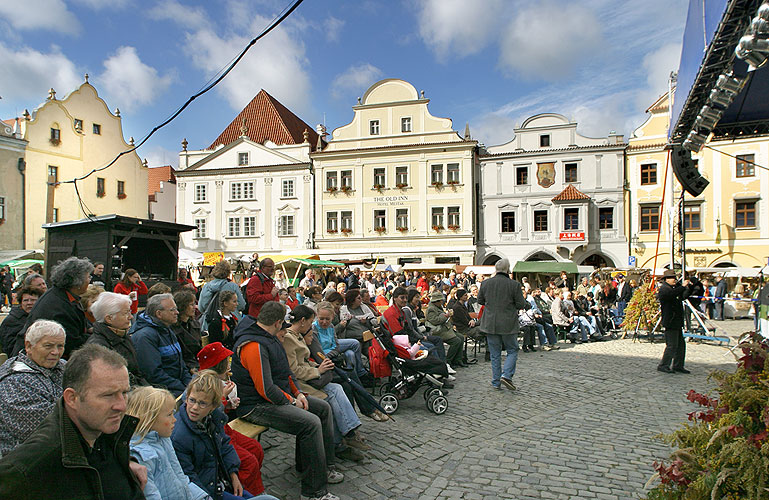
570	193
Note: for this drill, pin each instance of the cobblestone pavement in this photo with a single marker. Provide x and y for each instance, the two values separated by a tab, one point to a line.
580	425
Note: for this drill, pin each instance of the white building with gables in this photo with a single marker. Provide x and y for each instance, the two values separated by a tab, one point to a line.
551	194
251	189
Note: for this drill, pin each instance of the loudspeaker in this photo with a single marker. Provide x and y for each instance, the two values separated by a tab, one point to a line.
686	173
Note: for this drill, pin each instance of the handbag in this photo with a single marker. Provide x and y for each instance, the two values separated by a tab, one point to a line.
322	381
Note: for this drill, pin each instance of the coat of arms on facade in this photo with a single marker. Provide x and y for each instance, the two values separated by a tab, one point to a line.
546	174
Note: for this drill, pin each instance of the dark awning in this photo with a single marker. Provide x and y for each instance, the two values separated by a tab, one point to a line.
550	267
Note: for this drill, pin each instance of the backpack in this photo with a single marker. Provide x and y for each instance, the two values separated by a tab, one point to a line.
377	358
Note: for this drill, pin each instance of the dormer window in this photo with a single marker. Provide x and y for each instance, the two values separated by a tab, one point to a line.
373	127
243	159
544	141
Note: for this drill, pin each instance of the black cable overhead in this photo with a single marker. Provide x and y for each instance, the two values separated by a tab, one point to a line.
281	17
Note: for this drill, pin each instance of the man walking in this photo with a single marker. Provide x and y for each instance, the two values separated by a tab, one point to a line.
671	295
721	290
502	299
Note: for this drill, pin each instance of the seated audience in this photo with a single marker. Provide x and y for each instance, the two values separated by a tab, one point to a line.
88	298
333	346
359	317
223	320
112	313
221	273
30	383
87	427
186	281
187	328
439	323
17	318
313	297
158	351
460	317
132	285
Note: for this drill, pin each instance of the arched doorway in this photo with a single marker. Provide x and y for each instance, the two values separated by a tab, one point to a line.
540	256
597	260
491	260
725	264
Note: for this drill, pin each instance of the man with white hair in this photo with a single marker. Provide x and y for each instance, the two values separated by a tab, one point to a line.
502	298
30	383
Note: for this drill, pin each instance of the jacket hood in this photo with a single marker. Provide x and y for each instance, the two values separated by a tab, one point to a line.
248	326
143	321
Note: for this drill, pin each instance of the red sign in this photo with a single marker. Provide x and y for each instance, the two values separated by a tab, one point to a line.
572	236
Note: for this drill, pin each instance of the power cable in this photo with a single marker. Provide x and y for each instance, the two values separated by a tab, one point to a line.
736	158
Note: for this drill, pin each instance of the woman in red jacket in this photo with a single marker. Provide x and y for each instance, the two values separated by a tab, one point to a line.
133	286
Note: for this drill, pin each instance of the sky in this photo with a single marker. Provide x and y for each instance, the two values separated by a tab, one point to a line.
489	63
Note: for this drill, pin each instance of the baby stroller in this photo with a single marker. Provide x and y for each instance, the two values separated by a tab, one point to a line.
409	375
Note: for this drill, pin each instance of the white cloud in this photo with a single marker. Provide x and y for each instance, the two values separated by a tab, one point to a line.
27	74
129	81
332	27
159	156
459	27
547	40
51	15
355	79
658	65
172	10
276	64
101	4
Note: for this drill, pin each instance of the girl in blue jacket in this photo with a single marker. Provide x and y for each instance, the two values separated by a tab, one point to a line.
151	446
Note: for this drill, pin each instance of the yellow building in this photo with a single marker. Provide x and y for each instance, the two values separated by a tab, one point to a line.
726	225
67	138
396	183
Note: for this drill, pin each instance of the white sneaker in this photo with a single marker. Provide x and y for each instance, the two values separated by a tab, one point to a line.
451	378
450	369
334	476
327	496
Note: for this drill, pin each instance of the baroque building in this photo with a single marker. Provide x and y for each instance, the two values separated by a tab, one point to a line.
251	189
396	183
551	194
725	225
68	138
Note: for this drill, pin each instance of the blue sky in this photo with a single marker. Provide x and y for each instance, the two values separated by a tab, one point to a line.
491	63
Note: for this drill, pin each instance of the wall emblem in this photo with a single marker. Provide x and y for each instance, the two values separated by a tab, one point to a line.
546	174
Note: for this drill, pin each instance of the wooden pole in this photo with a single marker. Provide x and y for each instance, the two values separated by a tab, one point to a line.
50	192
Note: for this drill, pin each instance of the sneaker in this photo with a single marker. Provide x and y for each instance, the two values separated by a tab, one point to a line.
496	387
451	378
507	383
450	369
348	453
357	442
333	476
547	347
327	496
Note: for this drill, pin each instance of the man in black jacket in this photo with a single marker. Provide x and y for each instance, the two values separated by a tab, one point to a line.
80	451
721	291
671	295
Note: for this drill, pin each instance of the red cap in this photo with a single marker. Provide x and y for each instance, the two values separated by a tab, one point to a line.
212	354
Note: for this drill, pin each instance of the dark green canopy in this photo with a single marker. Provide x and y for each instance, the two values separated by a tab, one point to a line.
546	267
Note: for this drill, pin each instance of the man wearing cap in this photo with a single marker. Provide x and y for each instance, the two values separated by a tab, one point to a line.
439	322
671	295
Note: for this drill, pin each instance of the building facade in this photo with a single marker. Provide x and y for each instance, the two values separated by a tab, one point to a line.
395	184
68	138
251	190
161	193
553	194
726	225
12	172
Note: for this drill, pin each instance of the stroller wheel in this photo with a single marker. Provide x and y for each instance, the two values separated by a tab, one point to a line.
389	402
385	388
437	404
432	392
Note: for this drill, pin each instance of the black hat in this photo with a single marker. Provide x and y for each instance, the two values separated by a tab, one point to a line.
461	293
669	273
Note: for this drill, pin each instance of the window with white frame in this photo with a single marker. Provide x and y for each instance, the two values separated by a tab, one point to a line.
286	225
379	177
453	217
406	124
402	176
436	174
402	219
380	219
242	190
347	220
249	226
2	207
436	217
243	159
332	181
287	189
346	178
452	173
332	222
373	127
233	227
201	230
201	192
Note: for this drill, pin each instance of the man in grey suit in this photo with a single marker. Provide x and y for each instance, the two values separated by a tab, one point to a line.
502	299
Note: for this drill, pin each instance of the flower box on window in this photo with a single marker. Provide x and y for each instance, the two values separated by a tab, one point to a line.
453	227
55	142
100	194
438	229
331	231
346	189
402	229
332	189
346	230
452	182
121	196
379	187
1	221
380	229
437	184
401	185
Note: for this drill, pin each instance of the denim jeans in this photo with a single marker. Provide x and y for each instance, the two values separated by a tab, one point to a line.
314	431
546	334
351	350
230	496
345	418
496	343
578	327
621	305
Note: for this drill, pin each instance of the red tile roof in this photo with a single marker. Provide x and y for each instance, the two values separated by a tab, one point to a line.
158	175
267	119
571	194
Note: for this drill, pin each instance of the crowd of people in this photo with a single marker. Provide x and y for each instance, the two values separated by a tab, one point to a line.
117	402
